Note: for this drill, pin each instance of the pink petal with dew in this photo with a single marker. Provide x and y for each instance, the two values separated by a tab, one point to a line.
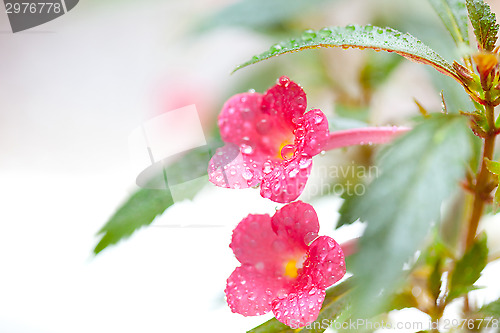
362	136
312	134
255	243
299	308
230	168
237	117
243	123
284	181
286	100
297	222
325	263
251	293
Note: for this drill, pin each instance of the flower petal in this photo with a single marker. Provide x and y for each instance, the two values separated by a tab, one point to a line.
297	222
251	293
243	123
325	263
255	243
230	168
286	100
299	308
237	116
285	180
312	134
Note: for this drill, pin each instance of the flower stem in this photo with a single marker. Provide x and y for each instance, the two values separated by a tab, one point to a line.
481	189
365	135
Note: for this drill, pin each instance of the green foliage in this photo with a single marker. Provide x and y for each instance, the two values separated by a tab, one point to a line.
419	171
484	23
468	269
379	39
491	309
148	202
453	13
138	211
335	301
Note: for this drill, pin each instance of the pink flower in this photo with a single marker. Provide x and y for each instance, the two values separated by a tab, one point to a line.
285	266
270	141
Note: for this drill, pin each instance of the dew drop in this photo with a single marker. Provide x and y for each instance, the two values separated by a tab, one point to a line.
369	28
350	27
287	152
308	35
293	173
275	48
247	174
232	171
323	153
305	162
325	32
246	149
267	168
251	91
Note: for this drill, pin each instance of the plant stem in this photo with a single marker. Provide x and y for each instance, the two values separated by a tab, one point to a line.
481	188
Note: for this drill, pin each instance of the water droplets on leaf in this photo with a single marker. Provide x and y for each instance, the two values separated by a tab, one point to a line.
308	35
325	32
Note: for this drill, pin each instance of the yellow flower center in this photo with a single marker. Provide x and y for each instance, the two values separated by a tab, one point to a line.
291	269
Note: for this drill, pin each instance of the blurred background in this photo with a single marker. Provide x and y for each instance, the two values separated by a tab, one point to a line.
72	91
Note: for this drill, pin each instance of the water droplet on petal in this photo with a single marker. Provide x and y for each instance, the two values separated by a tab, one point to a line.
247	174
293	173
246	149
350	27
287	152
232	171
369	28
323	153
305	162
267	168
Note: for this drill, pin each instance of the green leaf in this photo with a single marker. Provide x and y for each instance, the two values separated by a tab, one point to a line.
181	179
379	39
418	172
453	13
493	166
484	23
333	304
138	211
468	269
348	214
491	309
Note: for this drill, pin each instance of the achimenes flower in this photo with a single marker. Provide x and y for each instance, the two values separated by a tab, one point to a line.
270	141
285	266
